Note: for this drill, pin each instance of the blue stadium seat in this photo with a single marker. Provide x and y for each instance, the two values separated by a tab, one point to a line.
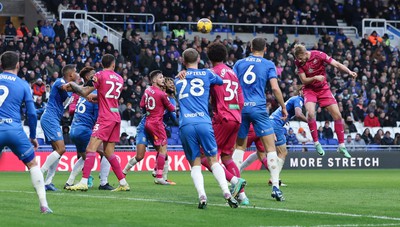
323	141
179	142
175	129
171	141
174	136
41	141
333	142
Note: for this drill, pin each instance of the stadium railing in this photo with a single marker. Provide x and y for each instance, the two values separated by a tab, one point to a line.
232	27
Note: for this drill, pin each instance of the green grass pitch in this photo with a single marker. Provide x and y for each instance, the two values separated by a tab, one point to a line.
313	198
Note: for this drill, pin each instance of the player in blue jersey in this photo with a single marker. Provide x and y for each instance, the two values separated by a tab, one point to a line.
50	122
254	72
14	92
195	125
142	137
85	117
294	107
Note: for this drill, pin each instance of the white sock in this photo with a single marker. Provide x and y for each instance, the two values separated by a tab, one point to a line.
219	175
281	161
238	157
104	170
250	159
234	180
198	180
316	143
129	165
273	167
50	160
38	184
75	171
341	145
165	170
123	182
84	181
242	195
51	172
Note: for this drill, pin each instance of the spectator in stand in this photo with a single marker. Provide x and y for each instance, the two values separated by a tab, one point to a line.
367	137
40	106
378	137
340	35
387	140
349	126
327	130
291	138
128	113
396	139
121	106
52	67
359	143
321	133
39	88
48	30
349	143
123	140
135	120
73	29
371	120
302	137
22	30
374	38
67	139
63	5
10	29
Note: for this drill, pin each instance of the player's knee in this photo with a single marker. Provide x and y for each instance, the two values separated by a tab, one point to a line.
139	157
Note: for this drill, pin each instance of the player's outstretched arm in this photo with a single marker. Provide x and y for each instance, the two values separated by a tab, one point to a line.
343	68
299	114
80	90
279	97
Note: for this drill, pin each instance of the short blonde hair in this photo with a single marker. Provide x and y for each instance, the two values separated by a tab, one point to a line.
299	49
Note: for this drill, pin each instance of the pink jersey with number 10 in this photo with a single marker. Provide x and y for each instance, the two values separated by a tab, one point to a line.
109	85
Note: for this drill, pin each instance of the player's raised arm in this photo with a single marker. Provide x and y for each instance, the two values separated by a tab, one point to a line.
343	68
80	90
279	97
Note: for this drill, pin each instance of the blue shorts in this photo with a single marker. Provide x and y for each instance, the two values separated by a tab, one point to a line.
19	144
195	135
261	123
51	128
80	136
279	133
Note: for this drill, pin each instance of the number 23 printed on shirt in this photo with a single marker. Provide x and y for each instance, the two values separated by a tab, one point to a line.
196	88
117	90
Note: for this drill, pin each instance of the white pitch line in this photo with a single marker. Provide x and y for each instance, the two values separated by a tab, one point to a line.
342	225
223	205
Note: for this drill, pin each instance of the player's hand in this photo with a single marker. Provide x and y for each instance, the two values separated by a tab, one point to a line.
320	78
92	98
35	143
353	74
181	75
66	87
284	114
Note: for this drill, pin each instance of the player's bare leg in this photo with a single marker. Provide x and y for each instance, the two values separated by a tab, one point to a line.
339	128
109	154
312	124
270	158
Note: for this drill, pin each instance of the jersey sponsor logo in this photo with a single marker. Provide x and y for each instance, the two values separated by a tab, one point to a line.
197	114
249	103
6	120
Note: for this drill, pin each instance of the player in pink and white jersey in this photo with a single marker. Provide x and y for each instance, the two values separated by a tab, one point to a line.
155	102
311	70
107	128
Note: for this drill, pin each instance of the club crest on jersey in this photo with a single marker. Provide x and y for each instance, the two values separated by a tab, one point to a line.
310	70
315	61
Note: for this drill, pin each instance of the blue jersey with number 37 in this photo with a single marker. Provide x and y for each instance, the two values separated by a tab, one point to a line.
85	113
193	94
253	73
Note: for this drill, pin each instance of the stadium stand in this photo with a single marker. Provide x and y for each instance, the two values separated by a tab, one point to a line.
375	89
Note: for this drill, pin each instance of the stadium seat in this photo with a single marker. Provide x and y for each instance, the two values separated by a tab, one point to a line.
359	126
294	124
41	141
374	130
179	142
390	129
396	130
172	141
175	136
175	129
125	124
333	142
131	131
323	141
304	125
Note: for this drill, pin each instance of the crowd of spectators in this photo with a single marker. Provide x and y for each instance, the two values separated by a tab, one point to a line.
291	12
373	98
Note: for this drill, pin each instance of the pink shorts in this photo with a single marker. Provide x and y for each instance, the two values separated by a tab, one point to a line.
225	134
252	137
324	97
107	131
157	132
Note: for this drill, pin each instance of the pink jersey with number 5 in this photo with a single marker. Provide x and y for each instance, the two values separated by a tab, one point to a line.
109	85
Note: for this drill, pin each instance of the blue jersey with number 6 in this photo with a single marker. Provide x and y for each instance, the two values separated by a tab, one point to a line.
193	94
253	73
